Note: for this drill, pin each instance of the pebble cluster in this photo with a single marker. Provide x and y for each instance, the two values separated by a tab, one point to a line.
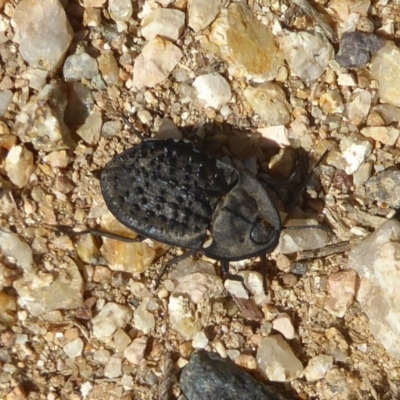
253	82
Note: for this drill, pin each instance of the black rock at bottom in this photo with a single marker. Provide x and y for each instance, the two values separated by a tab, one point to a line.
209	376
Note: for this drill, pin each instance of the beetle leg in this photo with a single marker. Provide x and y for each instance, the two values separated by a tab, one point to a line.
270	181
175	260
134	130
227	275
96	232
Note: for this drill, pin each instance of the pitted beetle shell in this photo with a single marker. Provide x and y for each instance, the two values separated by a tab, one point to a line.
168	191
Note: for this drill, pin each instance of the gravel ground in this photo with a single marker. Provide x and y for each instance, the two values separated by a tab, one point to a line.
55	348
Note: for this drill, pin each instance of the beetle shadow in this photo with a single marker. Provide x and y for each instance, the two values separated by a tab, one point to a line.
284	172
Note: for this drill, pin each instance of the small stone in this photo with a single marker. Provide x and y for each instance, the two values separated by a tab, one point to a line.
134	353
307	54
119	279
110	129
246	361
144	320
209	376
384	134
278	135
101	274
269	102
120	10
359	107
247	307
101	356
71	334
342	181
111	317
58	159
362	174
299	269
121	340
254	282
5	100
17	250
127	257
43	41
246	44
168	130
8	141
283	324
87	248
375	119
200	340
385	188
36	77
182	317
201	13
85	389
189	267
331	102
79	66
41	121
139	290
43	293
19	165
73	348
113	368
91	17
346	80
127	382
356	49
200	287
235	288
387	59
277	361
389	113
354	151
156	61
85	311
342	288
376	260
317	367
164	22
8	308
80	104
292	241
213	90
109	71
289	280
90	130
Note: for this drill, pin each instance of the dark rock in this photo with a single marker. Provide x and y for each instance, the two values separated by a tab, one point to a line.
356	49
208	376
299	269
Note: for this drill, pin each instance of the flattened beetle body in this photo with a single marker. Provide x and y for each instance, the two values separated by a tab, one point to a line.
168	191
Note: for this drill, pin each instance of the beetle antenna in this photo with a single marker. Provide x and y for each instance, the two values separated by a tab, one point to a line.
128	122
298	227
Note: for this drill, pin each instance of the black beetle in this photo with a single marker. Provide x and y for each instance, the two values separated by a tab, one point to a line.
168	191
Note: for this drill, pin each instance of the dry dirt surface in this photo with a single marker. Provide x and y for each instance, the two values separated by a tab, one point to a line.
55	343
